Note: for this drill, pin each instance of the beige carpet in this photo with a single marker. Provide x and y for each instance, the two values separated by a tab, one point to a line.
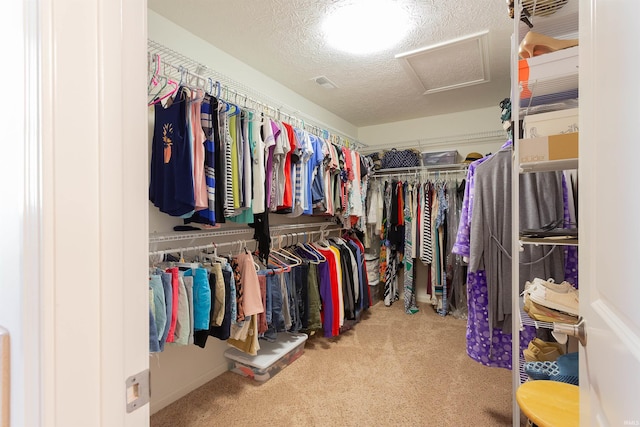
392	369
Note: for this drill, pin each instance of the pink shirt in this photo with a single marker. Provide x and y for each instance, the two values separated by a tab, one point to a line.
252	298
199	180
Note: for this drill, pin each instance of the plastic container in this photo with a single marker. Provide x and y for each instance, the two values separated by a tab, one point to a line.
271	358
439	158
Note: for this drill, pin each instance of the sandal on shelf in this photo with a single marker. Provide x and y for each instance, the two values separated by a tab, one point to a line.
565	369
535	44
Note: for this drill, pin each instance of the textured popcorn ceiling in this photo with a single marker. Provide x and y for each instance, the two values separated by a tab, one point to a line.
283	39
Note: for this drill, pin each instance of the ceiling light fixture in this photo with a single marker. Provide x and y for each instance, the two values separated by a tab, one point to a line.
365	26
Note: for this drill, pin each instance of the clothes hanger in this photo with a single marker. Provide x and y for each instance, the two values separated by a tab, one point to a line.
257	266
236	110
278	259
309	247
183	264
281	267
159	83
174	90
223	106
258	261
198	89
214	88
214	256
287	258
156	98
153	65
287	252
311	255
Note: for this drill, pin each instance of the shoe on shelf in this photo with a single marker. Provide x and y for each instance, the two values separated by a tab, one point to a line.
563	287
567	302
537	354
549	371
543	351
542	344
541	370
535	44
544	314
565	369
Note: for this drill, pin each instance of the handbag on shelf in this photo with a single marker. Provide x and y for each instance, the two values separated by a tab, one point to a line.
376	160
400	159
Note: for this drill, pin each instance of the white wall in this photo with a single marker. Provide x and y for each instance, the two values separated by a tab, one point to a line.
456	131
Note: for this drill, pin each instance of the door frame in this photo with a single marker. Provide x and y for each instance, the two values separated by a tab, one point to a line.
92	215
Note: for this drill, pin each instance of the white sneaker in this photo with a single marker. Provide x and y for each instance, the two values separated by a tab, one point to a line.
562	288
563	301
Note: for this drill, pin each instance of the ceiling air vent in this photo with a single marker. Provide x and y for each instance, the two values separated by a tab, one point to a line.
325	82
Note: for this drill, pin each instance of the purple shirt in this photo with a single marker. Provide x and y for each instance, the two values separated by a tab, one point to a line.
462	246
324	283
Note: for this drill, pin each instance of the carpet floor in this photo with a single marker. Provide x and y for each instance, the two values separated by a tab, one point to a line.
392	369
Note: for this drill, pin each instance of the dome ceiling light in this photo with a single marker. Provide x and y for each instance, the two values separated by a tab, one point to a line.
362	27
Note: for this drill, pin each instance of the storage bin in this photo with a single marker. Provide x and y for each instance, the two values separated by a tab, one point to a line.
435	158
375	288
552	123
271	358
373	267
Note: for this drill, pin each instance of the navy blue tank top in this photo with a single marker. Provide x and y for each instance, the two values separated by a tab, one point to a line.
171	183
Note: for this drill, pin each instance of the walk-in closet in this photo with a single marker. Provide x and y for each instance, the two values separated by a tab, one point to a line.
356	212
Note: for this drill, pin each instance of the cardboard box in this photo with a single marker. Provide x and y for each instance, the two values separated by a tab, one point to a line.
546	148
552	123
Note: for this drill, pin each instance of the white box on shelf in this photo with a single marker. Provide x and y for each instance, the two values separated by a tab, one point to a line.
552	123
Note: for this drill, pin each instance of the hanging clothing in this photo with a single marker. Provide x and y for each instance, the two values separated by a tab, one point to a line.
201	200
410	305
171	183
259	176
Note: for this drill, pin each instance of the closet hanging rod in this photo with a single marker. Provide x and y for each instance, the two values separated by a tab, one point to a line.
201	247
241	243
178	60
290	238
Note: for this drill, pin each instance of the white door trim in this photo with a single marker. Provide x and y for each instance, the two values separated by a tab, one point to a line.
94	218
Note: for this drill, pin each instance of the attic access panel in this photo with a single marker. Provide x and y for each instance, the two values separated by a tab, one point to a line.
449	65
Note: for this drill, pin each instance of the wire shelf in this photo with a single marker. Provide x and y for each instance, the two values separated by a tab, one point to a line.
549	166
447	141
209	234
550	241
195	235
